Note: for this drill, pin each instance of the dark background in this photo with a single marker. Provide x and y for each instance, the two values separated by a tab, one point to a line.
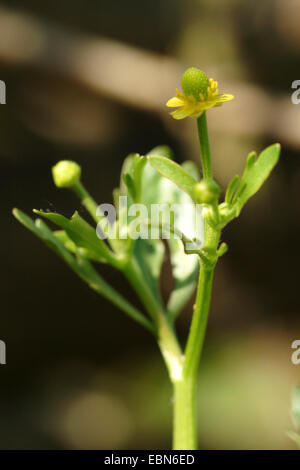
87	80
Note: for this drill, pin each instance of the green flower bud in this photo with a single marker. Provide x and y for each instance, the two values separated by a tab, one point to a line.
207	191
66	173
194	82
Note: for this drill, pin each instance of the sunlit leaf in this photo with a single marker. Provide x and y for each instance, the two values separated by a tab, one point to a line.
158	189
255	173
80	232
81	266
174	172
231	188
149	255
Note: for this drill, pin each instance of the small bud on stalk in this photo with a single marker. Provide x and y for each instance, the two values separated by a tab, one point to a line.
66	173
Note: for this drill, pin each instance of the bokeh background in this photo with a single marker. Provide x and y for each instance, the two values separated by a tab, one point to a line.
87	80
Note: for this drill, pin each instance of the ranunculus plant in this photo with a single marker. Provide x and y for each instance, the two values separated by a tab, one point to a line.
190	219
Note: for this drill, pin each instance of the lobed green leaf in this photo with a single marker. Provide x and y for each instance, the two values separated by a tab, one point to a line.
81	233
174	172
255	174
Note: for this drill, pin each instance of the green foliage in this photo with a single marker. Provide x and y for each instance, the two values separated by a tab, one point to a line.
256	172
156	189
231	188
150	181
80	265
241	189
175	173
81	233
78	244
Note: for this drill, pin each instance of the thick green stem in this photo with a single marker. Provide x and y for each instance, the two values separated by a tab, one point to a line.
184	415
204	146
185	404
198	326
166	337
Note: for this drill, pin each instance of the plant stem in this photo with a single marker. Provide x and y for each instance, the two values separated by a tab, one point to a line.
185	409
91	206
198	326
166	337
204	146
87	200
184	415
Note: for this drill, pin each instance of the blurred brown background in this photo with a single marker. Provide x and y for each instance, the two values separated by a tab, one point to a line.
87	80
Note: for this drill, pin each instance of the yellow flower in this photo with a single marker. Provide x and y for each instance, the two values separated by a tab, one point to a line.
199	94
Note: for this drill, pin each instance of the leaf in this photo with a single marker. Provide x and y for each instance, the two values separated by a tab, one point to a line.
81	233
81	266
162	151
62	236
128	180
255	173
185	267
149	255
158	189
174	172
45	234
192	169
127	168
130	187
139	164
131	177
185	270
231	188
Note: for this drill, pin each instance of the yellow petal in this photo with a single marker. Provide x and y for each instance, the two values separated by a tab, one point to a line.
180	113
179	94
223	98
174	102
207	104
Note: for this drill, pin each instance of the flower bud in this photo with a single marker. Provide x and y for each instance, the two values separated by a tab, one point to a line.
194	82
207	191
66	173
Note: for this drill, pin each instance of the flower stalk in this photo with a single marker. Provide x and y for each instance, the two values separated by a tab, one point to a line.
185	391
